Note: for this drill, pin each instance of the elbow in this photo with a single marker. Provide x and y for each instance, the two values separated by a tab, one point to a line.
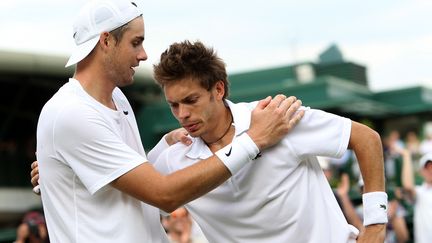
168	199
170	209
363	135
374	145
162	199
169	203
375	138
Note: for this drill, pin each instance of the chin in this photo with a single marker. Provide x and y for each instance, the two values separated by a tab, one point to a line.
125	83
195	133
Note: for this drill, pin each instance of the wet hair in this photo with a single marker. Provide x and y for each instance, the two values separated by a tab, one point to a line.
187	60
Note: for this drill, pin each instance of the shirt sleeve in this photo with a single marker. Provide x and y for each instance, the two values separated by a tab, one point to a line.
320	134
87	143
162	164
154	154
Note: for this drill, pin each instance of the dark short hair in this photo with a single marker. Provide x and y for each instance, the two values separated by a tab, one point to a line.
191	60
118	32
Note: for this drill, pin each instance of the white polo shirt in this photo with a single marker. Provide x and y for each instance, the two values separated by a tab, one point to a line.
423	214
82	146
283	196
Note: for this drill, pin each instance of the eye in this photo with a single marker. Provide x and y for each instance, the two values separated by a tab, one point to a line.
173	105
137	42
191	100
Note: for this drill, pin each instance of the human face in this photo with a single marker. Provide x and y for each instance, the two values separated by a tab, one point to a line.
196	109
125	55
426	172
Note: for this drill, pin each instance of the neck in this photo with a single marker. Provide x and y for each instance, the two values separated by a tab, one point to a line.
96	86
228	125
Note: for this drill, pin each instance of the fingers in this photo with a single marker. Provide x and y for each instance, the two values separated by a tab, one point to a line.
277	101
35	180
269	123
34	174
294	120
178	135
283	102
34	164
293	115
291	107
182	136
263	103
186	140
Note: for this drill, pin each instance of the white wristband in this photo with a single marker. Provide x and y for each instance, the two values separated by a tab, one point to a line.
374	208
238	153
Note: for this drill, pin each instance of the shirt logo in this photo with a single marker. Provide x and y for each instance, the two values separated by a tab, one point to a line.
383	206
229	152
257	156
126	112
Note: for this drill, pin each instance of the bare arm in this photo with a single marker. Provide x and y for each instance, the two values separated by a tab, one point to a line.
271	120
407	172
398	222
366	143
173	190
347	205
22	233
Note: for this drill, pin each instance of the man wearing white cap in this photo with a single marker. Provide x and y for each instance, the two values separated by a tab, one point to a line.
422	195
94	173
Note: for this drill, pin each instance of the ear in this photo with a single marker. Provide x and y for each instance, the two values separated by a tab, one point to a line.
220	89
104	40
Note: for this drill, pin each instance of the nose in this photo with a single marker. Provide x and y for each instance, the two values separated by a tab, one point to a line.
183	112
142	55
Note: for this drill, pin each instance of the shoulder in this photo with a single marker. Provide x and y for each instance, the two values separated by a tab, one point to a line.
119	94
121	100
246	105
76	118
65	106
178	149
313	116
173	158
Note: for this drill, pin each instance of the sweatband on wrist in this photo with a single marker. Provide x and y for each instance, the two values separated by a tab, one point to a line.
374	208
238	153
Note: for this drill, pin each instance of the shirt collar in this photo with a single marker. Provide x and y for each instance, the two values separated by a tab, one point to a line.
241	116
427	186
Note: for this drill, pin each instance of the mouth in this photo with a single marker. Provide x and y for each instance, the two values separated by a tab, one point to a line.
192	127
133	69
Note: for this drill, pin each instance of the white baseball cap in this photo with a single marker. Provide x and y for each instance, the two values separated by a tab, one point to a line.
97	17
424	159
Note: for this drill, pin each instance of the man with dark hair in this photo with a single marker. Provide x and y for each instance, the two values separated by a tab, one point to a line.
283	196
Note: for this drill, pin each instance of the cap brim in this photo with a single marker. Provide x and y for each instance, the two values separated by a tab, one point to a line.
81	51
423	160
